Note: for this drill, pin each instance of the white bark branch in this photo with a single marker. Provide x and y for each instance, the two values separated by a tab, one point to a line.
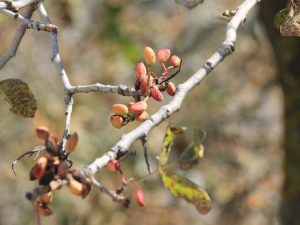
30	23
16	5
227	47
20	31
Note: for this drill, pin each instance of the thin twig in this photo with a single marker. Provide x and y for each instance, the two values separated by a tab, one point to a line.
29	154
145	149
30	23
20	31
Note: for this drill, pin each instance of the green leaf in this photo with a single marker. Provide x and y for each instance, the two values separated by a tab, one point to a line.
167	143
193	153
280	17
19	96
184	188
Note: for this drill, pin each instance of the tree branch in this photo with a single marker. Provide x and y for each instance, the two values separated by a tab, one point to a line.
30	23
20	31
227	48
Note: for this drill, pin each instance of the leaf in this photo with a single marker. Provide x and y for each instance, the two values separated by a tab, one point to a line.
290	26
19	96
72	142
167	143
184	188
280	17
193	153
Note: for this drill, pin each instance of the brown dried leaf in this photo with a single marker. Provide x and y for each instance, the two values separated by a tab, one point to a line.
290	26
72	142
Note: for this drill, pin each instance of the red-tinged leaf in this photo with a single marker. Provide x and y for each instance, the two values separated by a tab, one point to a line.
38	170
156	93
139	197
72	142
42	132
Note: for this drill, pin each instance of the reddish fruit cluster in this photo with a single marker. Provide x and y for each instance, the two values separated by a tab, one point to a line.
150	84
52	172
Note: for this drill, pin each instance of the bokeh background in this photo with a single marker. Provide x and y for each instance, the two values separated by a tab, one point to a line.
240	106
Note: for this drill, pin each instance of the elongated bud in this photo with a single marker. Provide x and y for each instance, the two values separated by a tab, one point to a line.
149	55
138	107
113	165
139	197
117	121
142	116
46	198
140	70
156	93
38	170
42	132
163	55
119	109
175	61
171	89
144	83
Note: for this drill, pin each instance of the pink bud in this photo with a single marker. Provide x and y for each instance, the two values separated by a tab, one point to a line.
139	197
149	55
144	83
163	55
156	93
138	107
171	89
142	116
117	121
175	61
140	70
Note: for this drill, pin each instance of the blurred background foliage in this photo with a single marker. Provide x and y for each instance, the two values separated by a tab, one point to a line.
240	106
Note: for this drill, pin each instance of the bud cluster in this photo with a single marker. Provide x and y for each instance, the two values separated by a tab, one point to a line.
149	84
52	172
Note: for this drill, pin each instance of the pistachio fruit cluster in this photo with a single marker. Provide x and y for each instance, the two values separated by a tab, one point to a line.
149	84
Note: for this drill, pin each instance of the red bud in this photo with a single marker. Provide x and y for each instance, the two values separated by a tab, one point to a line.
163	55
171	89
156	93
138	107
139	197
142	116
140	70
144	83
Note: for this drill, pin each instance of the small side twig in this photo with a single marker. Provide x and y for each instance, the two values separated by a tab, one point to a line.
145	149
114	196
29	154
